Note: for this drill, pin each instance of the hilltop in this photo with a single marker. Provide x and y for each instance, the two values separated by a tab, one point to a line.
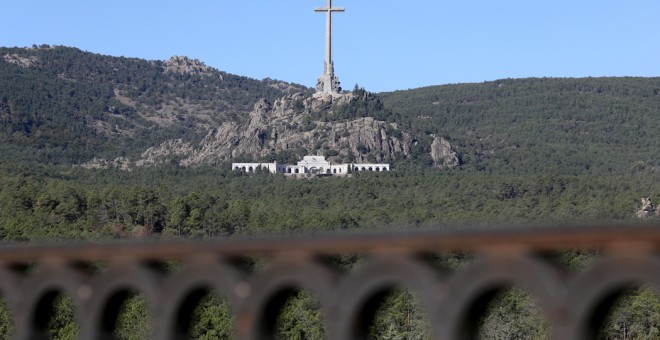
61	105
543	125
65	106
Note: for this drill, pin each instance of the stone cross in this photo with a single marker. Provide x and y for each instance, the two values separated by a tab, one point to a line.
328	83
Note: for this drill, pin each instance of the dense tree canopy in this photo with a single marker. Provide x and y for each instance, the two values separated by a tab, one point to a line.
542	125
533	152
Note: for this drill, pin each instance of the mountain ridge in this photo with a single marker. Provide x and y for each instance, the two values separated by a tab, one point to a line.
121	99
62	105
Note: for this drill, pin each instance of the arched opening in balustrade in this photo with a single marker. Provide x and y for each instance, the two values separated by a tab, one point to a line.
204	314
54	317
388	297
393	313
503	296
293	313
290	300
126	315
616	297
633	312
48	303
504	312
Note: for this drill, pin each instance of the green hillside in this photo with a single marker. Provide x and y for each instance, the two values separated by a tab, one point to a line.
523	126
533	151
64	105
61	105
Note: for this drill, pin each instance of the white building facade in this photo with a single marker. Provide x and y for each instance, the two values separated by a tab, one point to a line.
314	165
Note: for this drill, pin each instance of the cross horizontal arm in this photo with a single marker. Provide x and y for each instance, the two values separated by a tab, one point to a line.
337	9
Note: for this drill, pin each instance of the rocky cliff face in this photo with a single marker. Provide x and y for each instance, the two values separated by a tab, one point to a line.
647	210
294	126
289	124
443	154
191	113
183	65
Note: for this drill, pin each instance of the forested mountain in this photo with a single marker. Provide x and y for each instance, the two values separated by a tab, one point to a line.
531	151
63	105
544	125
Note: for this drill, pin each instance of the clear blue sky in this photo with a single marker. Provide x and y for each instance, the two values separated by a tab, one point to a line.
381	45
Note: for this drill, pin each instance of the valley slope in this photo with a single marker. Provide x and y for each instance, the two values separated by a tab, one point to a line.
61	105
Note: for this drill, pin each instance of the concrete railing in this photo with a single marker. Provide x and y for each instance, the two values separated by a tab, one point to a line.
571	302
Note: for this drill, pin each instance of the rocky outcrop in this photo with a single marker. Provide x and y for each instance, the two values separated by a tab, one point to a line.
298	125
121	163
182	64
171	150
23	61
443	155
647	210
286	125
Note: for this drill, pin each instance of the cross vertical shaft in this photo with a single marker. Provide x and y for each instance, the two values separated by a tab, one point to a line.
328	83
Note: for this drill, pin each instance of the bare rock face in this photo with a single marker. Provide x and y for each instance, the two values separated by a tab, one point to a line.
121	163
443	155
300	125
286	125
647	209
169	150
20	60
182	64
